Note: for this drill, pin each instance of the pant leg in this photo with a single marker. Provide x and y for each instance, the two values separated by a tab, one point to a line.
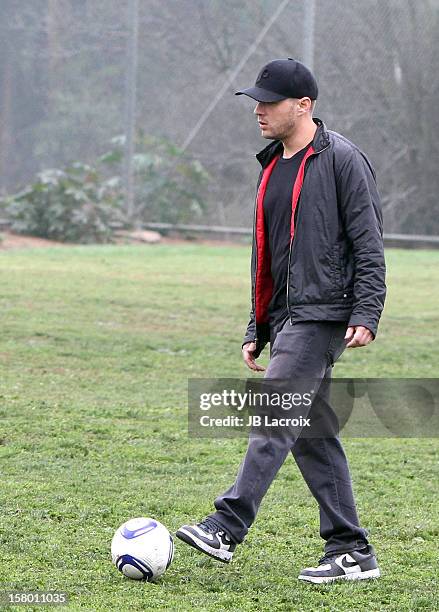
237	507
325	469
301	350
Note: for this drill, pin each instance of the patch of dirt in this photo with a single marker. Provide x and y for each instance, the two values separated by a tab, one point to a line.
18	241
8	240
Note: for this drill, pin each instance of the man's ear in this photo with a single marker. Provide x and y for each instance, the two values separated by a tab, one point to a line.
304	105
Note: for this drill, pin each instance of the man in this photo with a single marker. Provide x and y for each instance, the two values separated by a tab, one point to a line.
318	286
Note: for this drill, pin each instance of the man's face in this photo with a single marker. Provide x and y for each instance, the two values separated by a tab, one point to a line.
277	120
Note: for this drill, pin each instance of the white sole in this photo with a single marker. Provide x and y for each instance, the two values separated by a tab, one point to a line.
217	553
374	573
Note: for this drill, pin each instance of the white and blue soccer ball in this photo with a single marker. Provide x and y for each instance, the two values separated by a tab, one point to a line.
142	549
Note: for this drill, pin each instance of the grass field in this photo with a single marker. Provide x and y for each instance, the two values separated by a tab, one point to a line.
96	348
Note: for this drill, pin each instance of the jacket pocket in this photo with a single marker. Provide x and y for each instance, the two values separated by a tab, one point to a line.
337	343
337	268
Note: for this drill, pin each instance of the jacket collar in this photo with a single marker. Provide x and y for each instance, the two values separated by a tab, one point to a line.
320	142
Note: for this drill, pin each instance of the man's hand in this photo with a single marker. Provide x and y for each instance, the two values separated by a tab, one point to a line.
358	336
247	354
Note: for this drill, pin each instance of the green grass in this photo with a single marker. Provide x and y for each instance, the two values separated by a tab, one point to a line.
96	348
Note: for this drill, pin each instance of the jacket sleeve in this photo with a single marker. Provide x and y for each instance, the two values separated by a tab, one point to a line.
360	209
259	334
251	335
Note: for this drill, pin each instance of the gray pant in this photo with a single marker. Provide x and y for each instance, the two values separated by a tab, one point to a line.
309	350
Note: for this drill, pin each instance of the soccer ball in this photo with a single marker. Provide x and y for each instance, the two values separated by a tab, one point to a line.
142	549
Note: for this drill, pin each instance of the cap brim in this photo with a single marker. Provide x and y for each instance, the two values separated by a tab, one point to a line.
261	95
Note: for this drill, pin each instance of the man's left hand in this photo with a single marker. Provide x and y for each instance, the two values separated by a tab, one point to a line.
358	336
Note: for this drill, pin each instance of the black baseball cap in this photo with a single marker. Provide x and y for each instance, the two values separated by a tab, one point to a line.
280	79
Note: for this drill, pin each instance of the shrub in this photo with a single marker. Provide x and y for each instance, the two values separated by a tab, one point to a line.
84	203
72	205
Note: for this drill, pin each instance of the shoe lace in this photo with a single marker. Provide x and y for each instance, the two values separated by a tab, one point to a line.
209	525
326	559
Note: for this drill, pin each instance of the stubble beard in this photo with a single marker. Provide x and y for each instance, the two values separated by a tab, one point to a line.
283	132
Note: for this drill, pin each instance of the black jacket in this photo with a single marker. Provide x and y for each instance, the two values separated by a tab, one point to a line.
336	263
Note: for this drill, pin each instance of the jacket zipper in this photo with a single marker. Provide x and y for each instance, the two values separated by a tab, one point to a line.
288	279
256	261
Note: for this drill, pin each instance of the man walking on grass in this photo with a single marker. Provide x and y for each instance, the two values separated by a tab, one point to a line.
318	286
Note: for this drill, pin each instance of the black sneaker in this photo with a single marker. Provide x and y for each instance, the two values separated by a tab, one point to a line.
354	565
208	537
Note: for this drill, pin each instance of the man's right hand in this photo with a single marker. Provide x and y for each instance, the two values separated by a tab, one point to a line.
247	354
